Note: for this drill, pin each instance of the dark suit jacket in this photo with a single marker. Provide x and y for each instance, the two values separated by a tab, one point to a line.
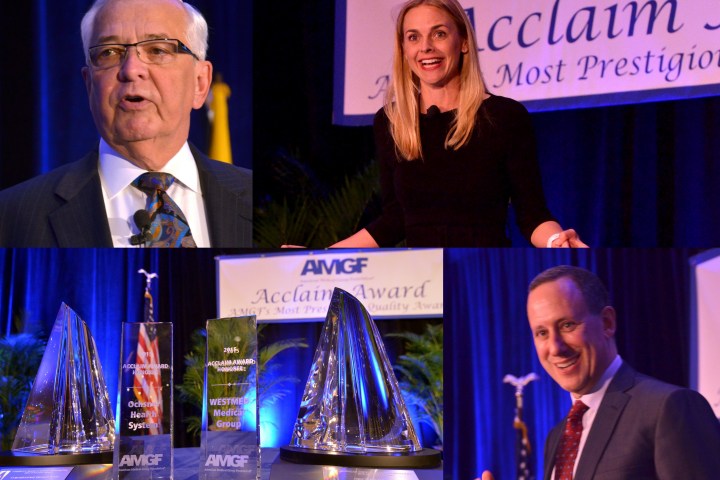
65	207
646	429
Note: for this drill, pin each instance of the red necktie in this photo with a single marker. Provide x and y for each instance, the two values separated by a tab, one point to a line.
568	448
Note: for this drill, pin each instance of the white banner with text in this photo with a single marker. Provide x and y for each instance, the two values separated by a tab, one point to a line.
392	283
548	54
706	329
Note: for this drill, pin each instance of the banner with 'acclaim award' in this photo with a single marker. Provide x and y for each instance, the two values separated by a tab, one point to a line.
548	54
392	283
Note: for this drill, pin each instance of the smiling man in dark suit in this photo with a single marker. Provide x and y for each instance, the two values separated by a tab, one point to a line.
146	71
623	425
633	426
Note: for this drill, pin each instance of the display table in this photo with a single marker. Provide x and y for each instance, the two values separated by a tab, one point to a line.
186	468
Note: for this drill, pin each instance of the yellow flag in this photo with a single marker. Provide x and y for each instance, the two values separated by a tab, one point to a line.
219	122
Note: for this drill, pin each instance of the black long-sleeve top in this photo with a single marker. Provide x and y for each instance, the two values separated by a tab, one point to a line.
460	198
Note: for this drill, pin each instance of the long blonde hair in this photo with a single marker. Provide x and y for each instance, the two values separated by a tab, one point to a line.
402	103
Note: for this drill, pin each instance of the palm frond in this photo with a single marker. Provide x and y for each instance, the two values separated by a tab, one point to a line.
269	352
342	211
314	219
20	357
420	375
286	223
271	387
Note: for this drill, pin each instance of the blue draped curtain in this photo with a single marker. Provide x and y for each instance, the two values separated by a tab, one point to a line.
104	287
487	336
45	120
643	175
632	175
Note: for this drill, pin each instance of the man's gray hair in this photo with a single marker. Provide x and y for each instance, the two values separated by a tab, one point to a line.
197	30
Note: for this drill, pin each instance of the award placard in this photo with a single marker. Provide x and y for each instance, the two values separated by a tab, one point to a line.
144	427
230	431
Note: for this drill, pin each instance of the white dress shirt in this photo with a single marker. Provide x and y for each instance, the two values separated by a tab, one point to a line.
122	200
593	401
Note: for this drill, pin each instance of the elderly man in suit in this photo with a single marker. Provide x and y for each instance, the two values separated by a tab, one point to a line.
623	425
146	71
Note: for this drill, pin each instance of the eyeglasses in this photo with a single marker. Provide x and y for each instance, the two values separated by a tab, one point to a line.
156	52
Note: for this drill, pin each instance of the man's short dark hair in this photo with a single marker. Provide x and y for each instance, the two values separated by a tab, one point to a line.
593	291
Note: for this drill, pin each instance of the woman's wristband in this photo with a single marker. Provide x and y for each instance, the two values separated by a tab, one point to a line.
552	238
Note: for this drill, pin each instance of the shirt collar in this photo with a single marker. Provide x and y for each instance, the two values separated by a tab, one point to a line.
117	173
595	396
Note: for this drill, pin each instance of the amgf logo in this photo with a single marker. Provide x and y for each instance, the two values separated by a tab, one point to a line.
338	267
226	460
150	460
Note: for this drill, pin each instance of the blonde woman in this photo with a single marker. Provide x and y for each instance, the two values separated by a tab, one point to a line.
452	156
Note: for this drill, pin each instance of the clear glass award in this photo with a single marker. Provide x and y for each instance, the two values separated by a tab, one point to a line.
352	402
230	427
68	409
144	435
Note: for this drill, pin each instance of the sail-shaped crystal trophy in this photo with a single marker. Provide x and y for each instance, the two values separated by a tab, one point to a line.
68	410
352	412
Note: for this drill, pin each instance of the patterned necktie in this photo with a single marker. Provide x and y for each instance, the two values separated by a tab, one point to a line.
168	226
568	448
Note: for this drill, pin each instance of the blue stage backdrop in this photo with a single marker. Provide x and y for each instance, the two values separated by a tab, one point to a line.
631	175
487	336
104	288
45	120
548	54
635	175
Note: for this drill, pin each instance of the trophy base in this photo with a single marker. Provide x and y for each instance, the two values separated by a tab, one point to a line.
23	459
425	458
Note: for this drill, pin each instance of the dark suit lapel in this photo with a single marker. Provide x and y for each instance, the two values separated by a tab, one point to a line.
605	421
551	447
81	221
225	210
